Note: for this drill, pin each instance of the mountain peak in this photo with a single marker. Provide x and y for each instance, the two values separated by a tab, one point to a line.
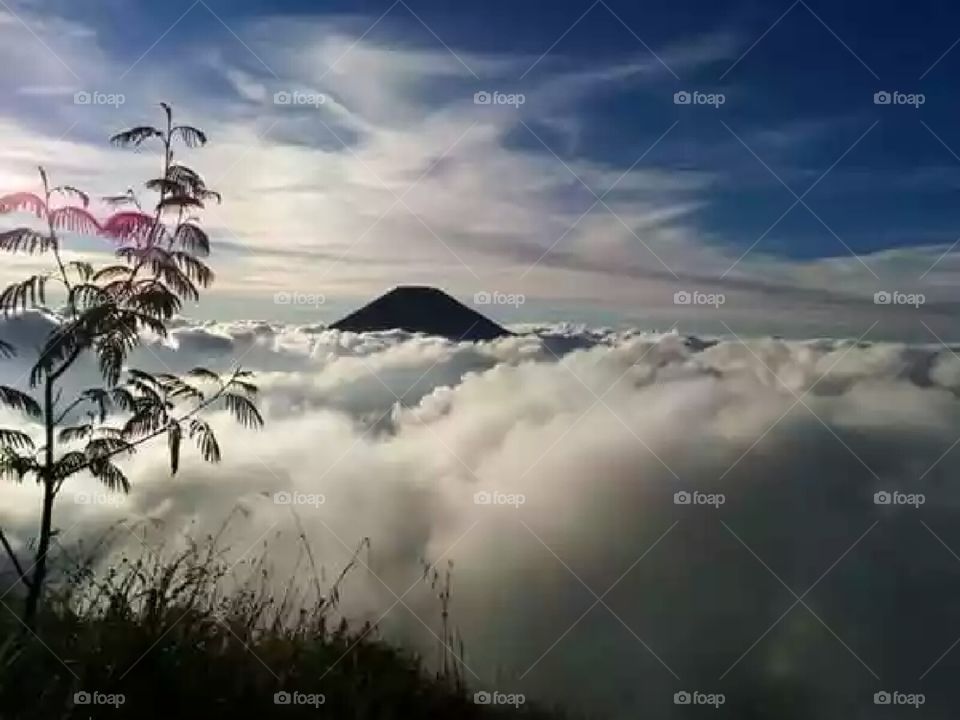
422	309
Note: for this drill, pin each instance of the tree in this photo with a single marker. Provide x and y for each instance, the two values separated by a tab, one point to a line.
106	310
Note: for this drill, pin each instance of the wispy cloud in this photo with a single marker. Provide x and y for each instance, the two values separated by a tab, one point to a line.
384	169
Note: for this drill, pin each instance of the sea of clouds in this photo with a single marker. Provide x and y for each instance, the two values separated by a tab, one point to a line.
547	467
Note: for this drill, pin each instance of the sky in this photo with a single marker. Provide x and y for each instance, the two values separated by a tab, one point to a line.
780	199
544	156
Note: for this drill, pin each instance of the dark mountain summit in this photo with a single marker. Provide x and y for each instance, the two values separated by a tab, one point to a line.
425	310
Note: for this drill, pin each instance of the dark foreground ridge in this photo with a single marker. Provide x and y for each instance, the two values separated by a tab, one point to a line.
422	309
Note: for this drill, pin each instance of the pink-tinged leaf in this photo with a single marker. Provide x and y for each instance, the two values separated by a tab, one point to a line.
23	201
76	220
130	225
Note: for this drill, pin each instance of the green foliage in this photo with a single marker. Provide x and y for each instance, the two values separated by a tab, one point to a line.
160	264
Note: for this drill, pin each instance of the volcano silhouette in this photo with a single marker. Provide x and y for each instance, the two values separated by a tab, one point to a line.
422	309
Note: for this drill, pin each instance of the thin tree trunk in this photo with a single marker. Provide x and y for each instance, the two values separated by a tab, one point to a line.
35	589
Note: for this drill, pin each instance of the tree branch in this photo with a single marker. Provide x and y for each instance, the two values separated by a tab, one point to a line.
146	438
55	241
75	353
13	558
67	409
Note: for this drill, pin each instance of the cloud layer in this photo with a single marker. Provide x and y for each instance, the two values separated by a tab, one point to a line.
597	431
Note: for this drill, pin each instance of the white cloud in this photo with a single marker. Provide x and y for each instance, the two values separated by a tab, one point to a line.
599	481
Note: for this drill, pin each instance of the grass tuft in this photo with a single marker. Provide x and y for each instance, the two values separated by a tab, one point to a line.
190	634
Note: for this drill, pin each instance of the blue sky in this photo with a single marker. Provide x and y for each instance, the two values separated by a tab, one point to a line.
798	192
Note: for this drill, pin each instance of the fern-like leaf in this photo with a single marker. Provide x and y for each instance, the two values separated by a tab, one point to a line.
206	441
72	433
129	226
192	137
23	202
101	399
85	295
25	240
174	435
69	464
123	399
23	295
83	269
14	466
192	239
15	439
204	374
174	388
194	269
112	272
71	192
106	447
150	419
76	220
247	387
128	198
155	299
134	137
110	475
244	410
17	400
164	185
179	202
